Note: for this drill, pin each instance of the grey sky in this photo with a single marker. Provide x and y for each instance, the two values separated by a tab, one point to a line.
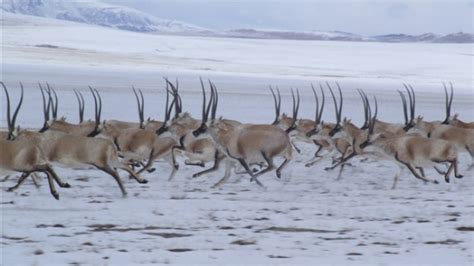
356	16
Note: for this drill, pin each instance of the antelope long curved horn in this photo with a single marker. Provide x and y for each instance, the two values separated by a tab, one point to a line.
203	101
297	107
449	101
275	106
211	100
316	117
366	113
15	114
140	104
215	103
412	110
410	98
341	99
46	106
322	103
80	101
335	102
404	102
54	103
96	106
9	122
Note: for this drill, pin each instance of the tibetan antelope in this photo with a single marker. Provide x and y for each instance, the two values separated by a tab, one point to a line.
138	145
86	128
24	156
198	150
245	143
412	152
323	133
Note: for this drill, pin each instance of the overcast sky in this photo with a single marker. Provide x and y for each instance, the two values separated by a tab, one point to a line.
356	16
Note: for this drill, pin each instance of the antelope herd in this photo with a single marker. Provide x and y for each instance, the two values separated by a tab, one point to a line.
134	147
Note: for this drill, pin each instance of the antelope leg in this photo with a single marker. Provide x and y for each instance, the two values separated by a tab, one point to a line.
20	181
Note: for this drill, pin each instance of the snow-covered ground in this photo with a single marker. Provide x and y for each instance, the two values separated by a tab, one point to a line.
307	217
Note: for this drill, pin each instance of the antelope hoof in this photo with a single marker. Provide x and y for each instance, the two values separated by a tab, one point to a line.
11	189
142	181
151	170
66	185
327	168
435	182
278	174
176	166
136	165
254	170
446	179
195	175
458	176
55	195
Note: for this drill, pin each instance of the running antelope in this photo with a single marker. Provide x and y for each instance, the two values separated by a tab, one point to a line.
412	152
24	156
245	143
139	145
323	133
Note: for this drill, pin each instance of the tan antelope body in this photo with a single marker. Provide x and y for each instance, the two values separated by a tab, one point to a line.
26	157
245	143
78	152
139	145
463	138
23	156
412	152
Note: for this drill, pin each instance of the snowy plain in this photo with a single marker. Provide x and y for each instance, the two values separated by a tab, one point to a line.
306	218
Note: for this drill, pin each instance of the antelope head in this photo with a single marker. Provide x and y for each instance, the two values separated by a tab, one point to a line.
319	112
11	120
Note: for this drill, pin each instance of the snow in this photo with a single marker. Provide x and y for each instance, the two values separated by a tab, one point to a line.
98	13
307	217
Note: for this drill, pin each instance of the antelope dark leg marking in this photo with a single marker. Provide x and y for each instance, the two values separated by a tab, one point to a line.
149	163
20	181
294	146
173	157
342	161
320	147
52	188
115	175
269	167
200	164
422	171
456	173
217	161
278	171
413	171
35	182
56	178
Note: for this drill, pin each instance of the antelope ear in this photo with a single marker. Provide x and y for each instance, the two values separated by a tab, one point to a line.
63	118
149	119
455	116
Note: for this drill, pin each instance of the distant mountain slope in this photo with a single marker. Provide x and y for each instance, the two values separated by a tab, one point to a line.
459	37
98	13
125	18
